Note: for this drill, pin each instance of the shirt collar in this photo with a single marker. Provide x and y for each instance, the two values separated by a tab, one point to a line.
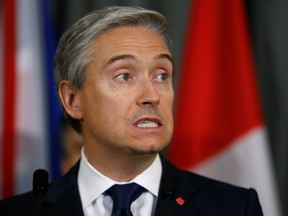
92	183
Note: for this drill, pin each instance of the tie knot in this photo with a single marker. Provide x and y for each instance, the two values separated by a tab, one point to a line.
124	195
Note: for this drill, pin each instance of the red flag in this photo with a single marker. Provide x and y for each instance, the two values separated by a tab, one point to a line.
9	85
218	122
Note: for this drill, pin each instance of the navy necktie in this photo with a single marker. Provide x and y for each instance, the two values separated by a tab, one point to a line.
123	196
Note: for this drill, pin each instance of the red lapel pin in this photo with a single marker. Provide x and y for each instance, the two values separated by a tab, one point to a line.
180	201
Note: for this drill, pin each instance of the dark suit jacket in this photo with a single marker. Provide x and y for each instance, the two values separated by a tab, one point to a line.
181	193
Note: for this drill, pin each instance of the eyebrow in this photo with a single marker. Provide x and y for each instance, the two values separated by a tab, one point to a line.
117	58
131	57
165	56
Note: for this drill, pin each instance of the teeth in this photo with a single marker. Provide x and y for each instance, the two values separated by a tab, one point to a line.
146	124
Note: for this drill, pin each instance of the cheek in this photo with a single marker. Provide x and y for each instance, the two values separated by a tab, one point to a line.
116	108
167	109
167	102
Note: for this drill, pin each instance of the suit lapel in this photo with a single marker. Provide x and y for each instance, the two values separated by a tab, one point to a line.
63	196
175	193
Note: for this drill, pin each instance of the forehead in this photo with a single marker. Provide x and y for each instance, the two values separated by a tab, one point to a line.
123	39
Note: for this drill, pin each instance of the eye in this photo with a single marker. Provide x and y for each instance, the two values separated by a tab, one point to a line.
162	77
123	77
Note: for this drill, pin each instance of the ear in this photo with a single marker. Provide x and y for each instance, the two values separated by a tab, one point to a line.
70	99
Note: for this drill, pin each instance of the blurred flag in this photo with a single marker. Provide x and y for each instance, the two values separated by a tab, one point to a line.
27	96
219	130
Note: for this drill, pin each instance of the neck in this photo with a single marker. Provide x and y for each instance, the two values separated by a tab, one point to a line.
120	167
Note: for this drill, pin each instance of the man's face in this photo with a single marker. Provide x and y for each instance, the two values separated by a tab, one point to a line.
126	102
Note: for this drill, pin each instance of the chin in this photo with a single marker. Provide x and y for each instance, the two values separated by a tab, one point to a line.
150	148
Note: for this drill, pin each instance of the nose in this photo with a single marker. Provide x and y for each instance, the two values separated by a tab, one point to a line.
149	96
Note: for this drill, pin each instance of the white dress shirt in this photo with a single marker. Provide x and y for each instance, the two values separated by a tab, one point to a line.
92	184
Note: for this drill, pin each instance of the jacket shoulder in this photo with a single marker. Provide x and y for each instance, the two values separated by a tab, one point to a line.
62	198
22	204
210	196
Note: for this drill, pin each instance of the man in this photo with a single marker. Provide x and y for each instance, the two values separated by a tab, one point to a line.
114	72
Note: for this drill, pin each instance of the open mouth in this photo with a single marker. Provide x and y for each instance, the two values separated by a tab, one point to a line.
148	123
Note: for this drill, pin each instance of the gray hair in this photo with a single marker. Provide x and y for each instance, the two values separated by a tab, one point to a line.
75	50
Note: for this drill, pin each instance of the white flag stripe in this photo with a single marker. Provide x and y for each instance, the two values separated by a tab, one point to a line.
31	140
246	163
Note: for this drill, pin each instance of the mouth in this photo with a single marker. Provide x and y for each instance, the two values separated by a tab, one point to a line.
148	123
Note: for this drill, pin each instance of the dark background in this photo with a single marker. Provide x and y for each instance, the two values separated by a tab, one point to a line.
268	23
